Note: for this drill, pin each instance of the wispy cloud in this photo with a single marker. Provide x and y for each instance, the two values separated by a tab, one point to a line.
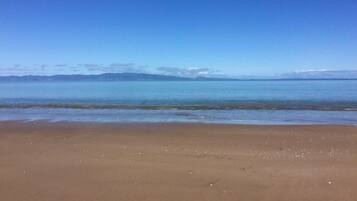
114	68
61	65
94	68
55	69
187	72
321	74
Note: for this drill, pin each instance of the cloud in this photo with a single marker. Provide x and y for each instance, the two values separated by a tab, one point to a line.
126	67
56	69
122	65
37	69
321	74
187	72
93	68
61	65
113	68
90	66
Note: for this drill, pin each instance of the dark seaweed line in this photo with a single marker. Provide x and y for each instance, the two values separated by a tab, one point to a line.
242	106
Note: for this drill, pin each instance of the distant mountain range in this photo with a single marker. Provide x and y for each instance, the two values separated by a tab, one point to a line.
306	75
105	77
321	74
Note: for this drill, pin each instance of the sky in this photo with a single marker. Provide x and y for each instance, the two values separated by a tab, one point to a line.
180	37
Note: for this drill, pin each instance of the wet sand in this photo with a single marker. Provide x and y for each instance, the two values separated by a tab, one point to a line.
107	162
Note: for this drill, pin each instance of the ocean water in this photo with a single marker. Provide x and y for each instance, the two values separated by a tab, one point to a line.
233	102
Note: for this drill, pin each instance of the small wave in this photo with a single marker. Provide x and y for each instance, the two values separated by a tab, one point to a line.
319	106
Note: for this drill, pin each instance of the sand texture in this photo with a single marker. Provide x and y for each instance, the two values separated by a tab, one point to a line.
178	162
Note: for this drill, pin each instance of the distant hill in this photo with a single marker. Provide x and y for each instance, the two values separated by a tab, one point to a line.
100	77
106	77
308	75
321	74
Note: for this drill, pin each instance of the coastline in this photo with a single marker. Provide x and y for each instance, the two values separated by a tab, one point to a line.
236	117
176	161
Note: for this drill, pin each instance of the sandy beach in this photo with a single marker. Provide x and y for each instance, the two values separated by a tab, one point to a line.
107	162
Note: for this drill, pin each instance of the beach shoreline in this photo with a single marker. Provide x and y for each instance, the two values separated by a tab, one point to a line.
176	161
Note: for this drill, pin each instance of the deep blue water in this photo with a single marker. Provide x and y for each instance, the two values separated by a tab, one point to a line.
243	102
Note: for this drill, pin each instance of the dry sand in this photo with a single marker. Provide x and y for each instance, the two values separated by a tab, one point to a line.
183	162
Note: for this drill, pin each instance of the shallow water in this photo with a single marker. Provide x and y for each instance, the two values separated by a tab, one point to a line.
237	102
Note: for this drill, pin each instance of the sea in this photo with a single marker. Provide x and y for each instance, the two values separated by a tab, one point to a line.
264	102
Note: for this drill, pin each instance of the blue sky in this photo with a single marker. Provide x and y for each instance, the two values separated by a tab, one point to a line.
177	37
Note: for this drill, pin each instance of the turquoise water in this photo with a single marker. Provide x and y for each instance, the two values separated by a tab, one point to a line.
241	102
